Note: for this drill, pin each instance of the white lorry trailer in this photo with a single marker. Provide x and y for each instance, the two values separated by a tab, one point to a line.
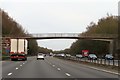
18	49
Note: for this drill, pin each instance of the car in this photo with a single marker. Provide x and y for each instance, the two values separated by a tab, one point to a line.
40	56
62	55
109	57
92	57
79	56
68	55
51	54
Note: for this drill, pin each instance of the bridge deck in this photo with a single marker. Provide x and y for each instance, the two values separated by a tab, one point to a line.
67	36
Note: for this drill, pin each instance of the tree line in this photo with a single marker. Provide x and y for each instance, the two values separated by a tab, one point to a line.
105	25
11	28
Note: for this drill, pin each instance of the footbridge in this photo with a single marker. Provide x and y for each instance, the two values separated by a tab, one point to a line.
112	38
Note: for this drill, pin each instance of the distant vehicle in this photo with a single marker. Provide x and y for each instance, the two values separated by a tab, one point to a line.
40	56
55	55
51	54
79	56
73	56
92	57
18	50
109	57
85	53
62	55
68	55
44	55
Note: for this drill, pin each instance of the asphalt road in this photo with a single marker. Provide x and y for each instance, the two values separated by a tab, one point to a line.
50	68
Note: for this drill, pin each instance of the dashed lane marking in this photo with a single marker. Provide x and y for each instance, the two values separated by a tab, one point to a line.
53	65
20	65
68	74
16	68
9	74
58	69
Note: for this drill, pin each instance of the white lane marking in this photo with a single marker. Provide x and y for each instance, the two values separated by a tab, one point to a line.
23	63
20	65
9	74
53	65
105	70
58	69
16	68
68	74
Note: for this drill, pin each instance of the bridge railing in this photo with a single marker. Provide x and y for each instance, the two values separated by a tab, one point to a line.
56	35
74	35
100	35
34	35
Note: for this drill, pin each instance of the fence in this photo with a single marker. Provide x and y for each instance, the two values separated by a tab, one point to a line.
97	61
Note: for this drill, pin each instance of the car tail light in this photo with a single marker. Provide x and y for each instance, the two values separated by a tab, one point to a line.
22	52
11	52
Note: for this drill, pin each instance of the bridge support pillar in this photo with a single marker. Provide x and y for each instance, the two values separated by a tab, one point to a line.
113	47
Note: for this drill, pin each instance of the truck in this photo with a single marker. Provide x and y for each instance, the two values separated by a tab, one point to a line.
18	49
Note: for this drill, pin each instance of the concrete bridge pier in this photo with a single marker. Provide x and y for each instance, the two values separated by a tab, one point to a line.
113	47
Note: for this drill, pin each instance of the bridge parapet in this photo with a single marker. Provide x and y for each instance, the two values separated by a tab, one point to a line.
75	35
56	35
100	35
68	35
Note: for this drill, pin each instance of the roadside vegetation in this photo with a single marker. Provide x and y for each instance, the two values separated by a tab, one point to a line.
105	25
10	28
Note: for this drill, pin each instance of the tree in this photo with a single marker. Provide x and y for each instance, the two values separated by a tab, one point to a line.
11	28
44	50
107	25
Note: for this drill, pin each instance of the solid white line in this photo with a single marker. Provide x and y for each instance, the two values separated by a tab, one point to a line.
58	69
68	74
9	74
16	68
105	70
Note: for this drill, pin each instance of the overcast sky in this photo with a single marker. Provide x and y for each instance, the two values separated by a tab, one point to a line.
58	16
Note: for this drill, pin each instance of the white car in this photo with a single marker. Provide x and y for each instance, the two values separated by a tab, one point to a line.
68	55
79	56
40	56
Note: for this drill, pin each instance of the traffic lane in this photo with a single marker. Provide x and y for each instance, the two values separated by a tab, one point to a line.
9	62
9	66
37	69
89	71
79	70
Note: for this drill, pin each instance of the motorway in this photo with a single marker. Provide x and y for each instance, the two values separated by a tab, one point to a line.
50	68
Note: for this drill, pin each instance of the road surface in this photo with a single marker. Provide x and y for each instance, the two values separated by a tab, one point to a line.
50	68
